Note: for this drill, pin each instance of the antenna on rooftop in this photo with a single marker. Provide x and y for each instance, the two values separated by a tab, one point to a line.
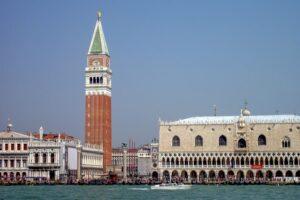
215	110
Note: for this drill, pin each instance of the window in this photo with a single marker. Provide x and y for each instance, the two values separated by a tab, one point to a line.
242	143
36	158
94	79
6	147
91	80
286	142
18	147
12	163
5	163
198	141
44	158
175	141
0	164
97	79
262	140
101	80
222	140
0	147
24	163
12	147
52	158
18	163
25	146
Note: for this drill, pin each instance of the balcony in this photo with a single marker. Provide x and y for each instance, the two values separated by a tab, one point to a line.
34	165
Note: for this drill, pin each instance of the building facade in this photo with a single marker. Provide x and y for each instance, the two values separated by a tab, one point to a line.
144	161
91	161
98	94
31	157
131	156
241	147
154	152
14	154
44	160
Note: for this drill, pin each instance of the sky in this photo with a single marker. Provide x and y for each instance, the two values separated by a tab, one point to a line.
170	60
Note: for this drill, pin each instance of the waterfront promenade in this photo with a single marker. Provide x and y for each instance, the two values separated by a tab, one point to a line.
149	181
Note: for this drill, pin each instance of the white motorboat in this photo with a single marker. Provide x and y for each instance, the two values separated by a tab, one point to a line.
171	186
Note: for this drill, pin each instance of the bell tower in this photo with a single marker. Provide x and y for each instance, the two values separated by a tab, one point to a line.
98	94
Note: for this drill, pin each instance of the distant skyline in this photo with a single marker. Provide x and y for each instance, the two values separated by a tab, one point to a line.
170	60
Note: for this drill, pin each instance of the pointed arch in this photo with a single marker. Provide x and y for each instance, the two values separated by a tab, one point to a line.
289	174
242	143
242	161
177	161
251	161
271	161
198	141
163	161
176	141
181	161
200	161
266	161
262	141
223	161
247	161
222	140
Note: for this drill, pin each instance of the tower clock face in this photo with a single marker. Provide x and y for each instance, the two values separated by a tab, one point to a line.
96	63
154	150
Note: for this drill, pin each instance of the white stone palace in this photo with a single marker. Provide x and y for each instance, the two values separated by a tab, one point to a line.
231	147
14	154
24	156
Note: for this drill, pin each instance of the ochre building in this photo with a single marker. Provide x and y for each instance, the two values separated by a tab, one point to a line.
98	94
242	147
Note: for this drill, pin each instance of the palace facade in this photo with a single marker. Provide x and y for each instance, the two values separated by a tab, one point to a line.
230	147
14	154
37	157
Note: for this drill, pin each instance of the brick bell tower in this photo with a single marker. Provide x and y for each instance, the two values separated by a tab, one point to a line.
98	94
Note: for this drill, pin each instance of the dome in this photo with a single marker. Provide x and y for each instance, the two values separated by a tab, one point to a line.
246	112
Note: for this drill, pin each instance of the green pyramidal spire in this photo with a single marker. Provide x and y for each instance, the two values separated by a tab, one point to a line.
98	44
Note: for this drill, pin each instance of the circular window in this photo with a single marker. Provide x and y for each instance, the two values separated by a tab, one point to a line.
154	165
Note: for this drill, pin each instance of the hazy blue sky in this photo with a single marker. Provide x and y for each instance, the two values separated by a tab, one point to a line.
170	59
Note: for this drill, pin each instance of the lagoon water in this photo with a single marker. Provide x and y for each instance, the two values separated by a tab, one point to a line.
225	192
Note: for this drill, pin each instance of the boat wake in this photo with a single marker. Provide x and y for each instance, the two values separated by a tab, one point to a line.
171	186
141	189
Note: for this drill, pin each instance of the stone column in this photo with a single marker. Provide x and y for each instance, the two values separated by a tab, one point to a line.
125	163
79	161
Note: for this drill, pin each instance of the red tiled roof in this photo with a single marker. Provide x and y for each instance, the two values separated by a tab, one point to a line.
54	136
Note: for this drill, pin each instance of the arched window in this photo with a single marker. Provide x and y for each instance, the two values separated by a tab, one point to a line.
286	142
91	80
222	140
101	80
176	141
262	140
242	143
198	141
94	79
97	79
